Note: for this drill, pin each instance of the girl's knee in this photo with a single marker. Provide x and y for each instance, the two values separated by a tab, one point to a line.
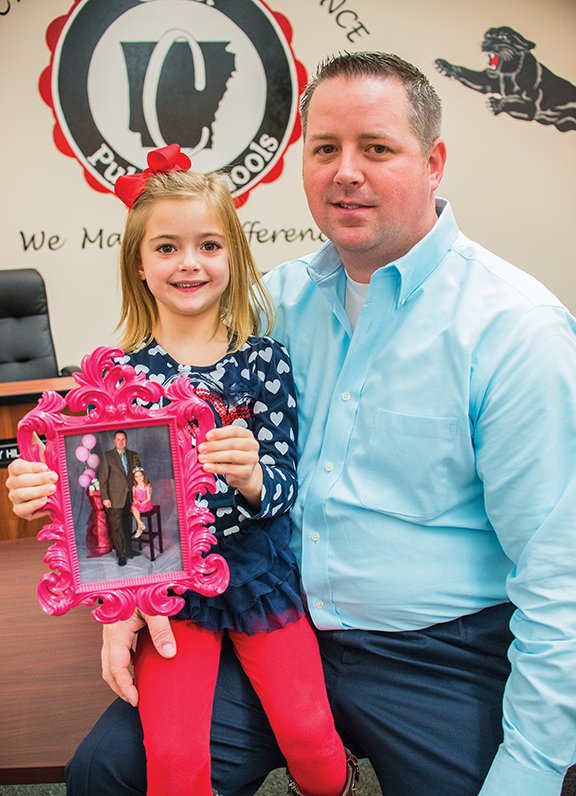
176	768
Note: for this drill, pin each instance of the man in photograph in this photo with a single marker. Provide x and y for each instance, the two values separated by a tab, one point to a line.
115	475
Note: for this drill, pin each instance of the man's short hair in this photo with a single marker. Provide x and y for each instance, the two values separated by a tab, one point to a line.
424	108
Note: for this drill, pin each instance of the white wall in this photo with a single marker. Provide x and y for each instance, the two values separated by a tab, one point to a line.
512	183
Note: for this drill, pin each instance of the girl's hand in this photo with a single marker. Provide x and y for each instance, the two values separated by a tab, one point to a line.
232	451
30	484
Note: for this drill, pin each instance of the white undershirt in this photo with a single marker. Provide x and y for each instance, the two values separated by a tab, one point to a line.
356	293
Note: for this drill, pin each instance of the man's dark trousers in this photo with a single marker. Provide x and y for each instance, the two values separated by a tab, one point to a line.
120	524
425	706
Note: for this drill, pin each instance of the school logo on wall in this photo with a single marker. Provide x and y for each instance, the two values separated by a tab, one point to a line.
519	84
218	77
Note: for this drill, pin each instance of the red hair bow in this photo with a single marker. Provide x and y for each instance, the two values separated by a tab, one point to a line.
128	187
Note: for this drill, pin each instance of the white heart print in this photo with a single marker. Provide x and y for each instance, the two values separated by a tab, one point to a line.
273	386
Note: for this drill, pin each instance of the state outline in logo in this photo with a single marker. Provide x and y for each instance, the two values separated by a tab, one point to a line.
220	78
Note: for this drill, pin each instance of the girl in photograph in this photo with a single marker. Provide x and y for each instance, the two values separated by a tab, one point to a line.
141	498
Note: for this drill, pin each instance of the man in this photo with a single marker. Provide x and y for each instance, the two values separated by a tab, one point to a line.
437	407
115	476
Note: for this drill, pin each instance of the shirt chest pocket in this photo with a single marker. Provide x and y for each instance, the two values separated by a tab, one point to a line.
410	465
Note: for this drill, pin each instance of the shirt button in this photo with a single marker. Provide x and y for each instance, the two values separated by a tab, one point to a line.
315	536
319	604
328	467
345	396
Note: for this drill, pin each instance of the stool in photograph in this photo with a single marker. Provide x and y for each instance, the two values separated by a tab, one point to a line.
152	531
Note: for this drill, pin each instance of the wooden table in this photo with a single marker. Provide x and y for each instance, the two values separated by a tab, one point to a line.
51	691
16	399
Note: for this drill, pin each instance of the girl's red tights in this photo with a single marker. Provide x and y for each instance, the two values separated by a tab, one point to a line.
176	698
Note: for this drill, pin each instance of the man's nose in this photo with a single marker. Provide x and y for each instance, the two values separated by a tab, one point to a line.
349	168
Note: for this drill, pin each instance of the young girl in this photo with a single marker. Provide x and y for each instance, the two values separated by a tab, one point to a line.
141	497
192	300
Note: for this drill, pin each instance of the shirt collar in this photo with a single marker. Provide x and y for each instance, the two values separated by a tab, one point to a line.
413	268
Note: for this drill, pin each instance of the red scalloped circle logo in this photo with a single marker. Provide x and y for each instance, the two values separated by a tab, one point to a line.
218	77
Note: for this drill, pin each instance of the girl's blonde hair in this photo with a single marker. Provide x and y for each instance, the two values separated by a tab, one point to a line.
245	306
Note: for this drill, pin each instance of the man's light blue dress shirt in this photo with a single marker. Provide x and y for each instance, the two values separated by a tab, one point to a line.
437	467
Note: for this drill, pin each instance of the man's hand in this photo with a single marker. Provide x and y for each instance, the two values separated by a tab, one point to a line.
119	640
233	451
30	484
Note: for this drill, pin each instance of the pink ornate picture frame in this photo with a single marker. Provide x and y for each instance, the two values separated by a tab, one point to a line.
173	554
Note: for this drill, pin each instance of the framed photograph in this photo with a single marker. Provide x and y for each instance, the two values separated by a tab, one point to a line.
129	526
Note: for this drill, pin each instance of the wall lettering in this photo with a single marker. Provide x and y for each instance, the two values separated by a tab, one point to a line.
255	232
259	154
100	240
39	240
345	18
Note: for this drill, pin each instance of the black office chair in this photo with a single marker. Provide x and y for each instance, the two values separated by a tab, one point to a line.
26	345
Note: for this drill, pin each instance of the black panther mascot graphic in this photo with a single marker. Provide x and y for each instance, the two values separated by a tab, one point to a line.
521	85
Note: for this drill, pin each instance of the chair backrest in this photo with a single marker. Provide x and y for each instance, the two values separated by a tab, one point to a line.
26	345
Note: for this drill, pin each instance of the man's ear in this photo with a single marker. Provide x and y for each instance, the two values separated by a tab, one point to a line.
436	162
